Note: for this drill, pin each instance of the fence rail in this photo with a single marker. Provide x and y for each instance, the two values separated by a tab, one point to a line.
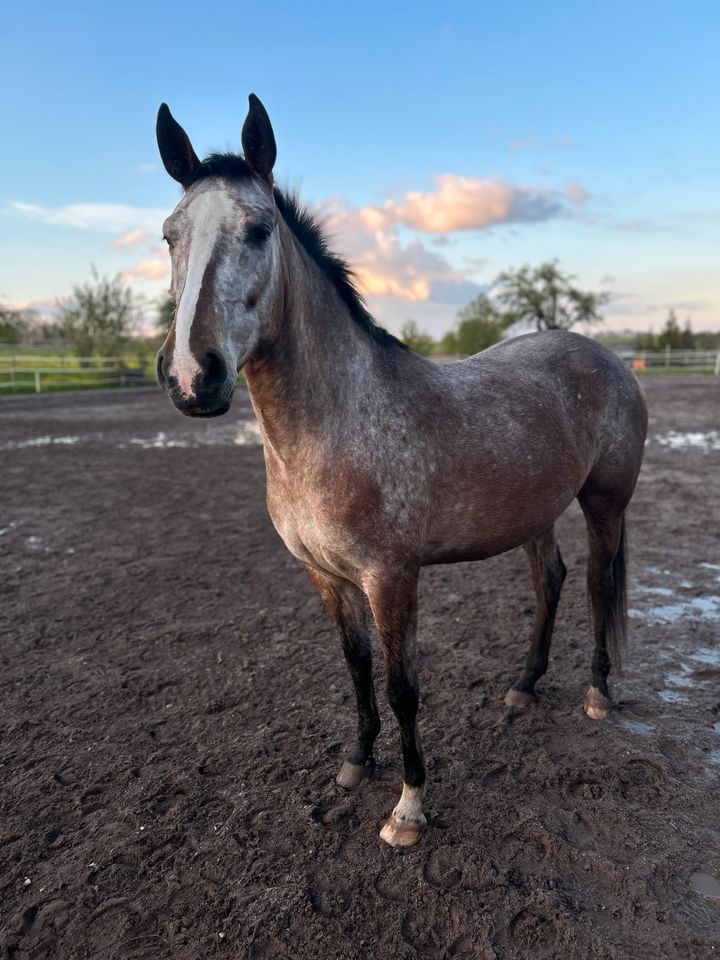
687	359
43	372
23	373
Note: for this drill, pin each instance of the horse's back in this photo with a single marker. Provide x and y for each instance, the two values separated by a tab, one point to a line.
571	375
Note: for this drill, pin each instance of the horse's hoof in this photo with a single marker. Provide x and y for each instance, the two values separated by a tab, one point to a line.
402	833
597	705
353	775
519	699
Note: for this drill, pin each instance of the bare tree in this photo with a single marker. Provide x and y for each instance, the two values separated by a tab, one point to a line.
544	297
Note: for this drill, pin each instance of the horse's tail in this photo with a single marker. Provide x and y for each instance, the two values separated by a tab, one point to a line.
617	614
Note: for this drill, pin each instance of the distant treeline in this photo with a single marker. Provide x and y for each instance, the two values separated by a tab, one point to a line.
105	317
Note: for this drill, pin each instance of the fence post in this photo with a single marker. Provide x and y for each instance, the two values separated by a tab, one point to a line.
717	364
37	381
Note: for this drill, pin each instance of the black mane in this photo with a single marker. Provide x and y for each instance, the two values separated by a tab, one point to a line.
309	234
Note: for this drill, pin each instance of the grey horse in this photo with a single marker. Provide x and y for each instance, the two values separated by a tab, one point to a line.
379	461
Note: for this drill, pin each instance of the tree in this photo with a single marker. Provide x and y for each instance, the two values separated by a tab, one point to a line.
687	337
479	325
99	315
545	298
670	335
165	313
14	325
645	341
417	339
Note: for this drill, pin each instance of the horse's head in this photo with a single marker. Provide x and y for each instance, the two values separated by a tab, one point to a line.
224	246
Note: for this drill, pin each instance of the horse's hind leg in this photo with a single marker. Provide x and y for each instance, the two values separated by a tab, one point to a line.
548	573
346	604
606	586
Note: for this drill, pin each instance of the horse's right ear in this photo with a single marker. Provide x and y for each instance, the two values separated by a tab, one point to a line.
176	151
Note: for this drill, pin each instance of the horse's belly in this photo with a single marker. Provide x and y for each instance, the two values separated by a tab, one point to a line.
492	519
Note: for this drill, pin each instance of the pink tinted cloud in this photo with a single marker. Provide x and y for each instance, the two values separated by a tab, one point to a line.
148	270
466	203
133	238
576	192
384	265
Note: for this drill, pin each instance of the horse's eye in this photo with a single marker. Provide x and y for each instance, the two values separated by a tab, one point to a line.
258	233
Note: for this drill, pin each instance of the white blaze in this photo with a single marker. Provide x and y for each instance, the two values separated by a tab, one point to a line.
207	211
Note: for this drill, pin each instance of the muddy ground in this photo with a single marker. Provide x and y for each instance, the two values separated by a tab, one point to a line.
174	707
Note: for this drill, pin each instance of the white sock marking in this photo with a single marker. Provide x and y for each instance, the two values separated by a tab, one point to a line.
409	806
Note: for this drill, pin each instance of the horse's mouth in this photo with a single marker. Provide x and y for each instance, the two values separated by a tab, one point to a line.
201	407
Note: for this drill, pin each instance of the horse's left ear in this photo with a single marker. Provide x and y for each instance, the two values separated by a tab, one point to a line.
258	139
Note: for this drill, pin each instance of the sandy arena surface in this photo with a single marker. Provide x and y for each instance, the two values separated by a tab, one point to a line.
174	708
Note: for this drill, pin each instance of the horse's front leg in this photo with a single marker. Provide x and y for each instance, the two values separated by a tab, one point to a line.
346	604
393	601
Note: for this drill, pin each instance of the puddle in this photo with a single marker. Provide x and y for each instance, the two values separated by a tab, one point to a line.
245	433
704	608
635	726
705	885
672	696
707	655
38	442
705	440
661	591
679	680
238	433
715	567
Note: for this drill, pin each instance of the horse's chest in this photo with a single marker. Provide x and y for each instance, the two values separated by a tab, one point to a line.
309	530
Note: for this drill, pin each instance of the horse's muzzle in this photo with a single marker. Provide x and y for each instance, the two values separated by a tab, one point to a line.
213	386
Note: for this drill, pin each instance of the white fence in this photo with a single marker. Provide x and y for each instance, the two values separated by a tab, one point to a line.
20	374
687	359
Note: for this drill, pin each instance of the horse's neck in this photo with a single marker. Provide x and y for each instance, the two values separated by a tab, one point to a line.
318	364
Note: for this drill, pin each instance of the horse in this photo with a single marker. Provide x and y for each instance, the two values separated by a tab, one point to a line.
380	461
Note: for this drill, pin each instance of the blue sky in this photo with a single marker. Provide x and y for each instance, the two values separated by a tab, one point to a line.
441	143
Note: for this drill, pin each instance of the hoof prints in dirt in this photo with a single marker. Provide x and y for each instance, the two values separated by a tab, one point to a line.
206	700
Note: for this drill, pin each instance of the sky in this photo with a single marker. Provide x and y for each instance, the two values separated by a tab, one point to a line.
440	143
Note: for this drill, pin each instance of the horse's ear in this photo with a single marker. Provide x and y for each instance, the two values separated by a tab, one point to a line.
258	139
176	151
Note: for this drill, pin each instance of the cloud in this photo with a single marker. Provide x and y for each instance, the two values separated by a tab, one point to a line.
607	280
133	238
148	270
576	192
476	264
104	217
466	203
46	307
641	225
383	264
147	167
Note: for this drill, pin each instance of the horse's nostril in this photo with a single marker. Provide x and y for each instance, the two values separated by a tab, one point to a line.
161	379
214	369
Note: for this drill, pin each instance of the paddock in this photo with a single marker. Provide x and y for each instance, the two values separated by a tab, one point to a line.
175	706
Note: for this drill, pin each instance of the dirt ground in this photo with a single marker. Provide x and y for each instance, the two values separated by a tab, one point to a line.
174	707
